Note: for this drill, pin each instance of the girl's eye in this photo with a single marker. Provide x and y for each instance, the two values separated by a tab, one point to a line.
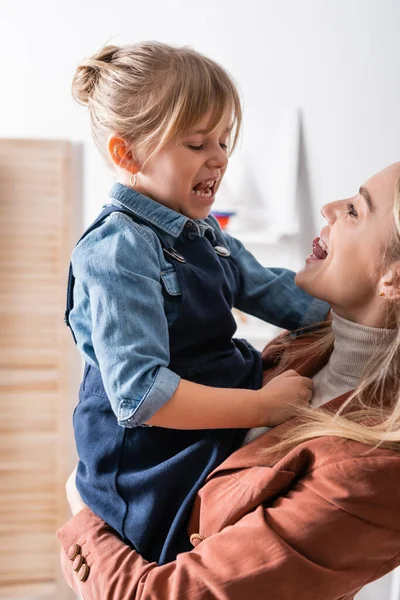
351	210
223	145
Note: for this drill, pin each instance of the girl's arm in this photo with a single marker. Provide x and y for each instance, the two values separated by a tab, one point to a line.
271	293
327	537
195	406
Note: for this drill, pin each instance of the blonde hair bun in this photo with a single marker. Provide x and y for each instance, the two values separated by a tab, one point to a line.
89	72
149	93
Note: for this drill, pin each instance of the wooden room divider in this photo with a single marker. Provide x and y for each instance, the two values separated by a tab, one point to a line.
39	369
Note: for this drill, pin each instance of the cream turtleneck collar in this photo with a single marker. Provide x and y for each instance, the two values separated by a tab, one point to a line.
352	349
353	346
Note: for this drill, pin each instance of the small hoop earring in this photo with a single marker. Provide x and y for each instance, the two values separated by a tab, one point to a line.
381	293
132	179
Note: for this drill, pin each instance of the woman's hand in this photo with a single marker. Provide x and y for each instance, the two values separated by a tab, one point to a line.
75	501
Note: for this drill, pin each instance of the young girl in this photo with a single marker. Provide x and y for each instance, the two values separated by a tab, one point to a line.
167	393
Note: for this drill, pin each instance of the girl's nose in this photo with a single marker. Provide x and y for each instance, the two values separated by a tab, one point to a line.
218	159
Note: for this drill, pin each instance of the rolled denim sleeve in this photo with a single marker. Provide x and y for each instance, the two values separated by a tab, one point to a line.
117	272
271	294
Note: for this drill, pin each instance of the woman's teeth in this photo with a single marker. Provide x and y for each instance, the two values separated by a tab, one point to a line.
323	245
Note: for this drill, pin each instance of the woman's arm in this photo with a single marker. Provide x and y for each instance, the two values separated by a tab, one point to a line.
335	531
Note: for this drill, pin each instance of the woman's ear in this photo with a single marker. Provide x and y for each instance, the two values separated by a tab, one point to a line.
389	284
121	155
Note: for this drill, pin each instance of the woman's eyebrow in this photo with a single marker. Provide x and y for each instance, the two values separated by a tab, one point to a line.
367	197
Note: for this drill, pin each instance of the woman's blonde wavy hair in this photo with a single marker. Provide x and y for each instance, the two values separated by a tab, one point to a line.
149	93
371	414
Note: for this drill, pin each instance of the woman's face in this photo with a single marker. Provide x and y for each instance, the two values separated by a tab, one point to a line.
349	274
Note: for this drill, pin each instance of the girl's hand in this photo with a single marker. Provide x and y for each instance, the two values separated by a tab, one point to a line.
279	397
75	501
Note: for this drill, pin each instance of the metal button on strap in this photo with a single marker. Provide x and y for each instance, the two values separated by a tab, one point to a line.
222	251
73	551
195	538
84	572
78	562
174	254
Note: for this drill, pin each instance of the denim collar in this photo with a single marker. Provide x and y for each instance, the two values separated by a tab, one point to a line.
161	216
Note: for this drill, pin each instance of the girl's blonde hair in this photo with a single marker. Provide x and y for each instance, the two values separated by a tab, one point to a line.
372	411
150	93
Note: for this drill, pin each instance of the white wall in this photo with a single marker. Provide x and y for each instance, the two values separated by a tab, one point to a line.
337	60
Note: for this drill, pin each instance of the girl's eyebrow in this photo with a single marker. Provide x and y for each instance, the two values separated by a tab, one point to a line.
367	197
204	131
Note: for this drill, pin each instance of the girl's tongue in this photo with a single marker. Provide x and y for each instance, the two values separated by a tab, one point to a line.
318	252
204	189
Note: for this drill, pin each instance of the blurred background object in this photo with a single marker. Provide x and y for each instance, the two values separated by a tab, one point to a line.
37	363
223	217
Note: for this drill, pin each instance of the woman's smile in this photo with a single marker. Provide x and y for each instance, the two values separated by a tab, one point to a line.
342	267
320	251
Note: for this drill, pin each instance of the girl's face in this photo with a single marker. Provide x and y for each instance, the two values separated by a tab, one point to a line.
186	175
349	274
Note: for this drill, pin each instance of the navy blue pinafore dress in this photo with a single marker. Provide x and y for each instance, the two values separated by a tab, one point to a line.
143	480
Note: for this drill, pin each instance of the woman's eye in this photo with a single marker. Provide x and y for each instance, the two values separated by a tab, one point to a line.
351	210
224	146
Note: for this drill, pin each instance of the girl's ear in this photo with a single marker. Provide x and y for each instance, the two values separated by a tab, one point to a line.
389	284
121	155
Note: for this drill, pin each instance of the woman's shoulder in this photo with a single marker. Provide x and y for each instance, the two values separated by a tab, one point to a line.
352	462
346	475
354	477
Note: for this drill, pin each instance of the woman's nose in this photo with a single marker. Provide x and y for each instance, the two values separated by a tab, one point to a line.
332	210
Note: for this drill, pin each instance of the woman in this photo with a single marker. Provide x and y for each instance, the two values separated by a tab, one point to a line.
309	510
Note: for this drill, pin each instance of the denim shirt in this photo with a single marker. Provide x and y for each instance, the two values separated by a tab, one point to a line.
127	294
